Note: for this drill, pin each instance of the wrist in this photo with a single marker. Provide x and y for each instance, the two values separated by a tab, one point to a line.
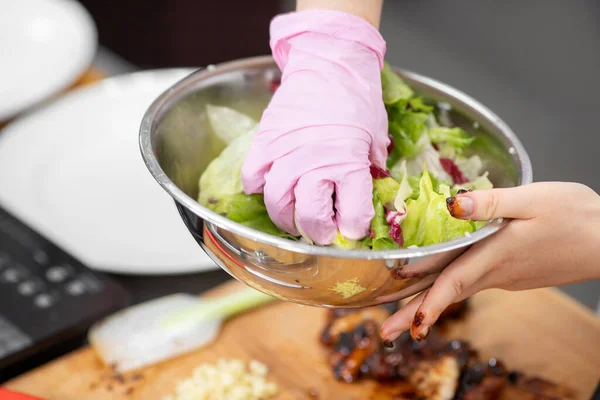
369	10
324	27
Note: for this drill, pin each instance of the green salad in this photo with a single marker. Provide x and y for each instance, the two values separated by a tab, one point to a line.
426	164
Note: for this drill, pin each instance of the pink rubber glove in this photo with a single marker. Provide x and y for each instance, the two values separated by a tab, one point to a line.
324	126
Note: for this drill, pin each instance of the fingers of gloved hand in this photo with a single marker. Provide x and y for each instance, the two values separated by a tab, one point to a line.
279	198
299	151
521	202
380	139
401	320
314	207
253	172
354	203
329	162
461	279
285	172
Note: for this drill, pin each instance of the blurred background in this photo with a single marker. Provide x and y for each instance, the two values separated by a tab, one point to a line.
534	63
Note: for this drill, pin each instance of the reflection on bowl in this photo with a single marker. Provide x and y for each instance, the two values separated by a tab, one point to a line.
177	144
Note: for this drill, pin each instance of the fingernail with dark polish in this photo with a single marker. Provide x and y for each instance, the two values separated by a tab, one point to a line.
388	343
459	207
419	317
423	332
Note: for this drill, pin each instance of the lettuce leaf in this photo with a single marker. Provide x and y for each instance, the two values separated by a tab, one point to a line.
248	210
239	207
406	129
227	123
393	87
407	121
221	189
416	104
405	190
470	167
407	116
478	224
429	157
223	176
367	242
342	242
380	229
386	189
428	220
481	182
414	182
455	137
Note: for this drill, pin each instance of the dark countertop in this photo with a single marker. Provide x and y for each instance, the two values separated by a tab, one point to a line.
534	63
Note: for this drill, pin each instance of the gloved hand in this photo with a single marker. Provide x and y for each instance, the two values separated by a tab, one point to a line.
324	126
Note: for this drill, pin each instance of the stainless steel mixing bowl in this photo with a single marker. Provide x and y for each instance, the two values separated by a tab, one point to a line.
177	144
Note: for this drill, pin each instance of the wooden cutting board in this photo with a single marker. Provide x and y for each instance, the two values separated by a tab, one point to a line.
540	332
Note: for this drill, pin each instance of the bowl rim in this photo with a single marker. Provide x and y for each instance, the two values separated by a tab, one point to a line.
187	86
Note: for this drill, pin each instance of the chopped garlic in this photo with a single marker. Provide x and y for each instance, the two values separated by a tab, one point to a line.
348	288
227	380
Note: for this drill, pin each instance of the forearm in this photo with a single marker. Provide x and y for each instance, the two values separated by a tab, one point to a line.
370	10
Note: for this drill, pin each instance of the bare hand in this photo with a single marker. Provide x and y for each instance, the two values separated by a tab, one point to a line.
552	239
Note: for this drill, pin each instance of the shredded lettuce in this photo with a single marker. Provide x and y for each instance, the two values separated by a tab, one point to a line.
264	224
430	157
478	224
471	167
405	189
485	145
342	242
223	176
386	189
222	191
457	138
239	207
406	128
479	183
416	104
228	123
380	229
407	121
393	87
428	220
367	242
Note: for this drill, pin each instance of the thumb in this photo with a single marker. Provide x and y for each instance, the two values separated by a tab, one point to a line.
482	205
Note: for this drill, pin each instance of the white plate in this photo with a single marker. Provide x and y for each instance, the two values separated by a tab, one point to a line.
45	45
73	171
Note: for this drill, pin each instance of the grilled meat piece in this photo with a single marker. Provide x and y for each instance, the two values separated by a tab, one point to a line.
436	379
342	320
352	350
351	321
434	368
480	381
490	388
